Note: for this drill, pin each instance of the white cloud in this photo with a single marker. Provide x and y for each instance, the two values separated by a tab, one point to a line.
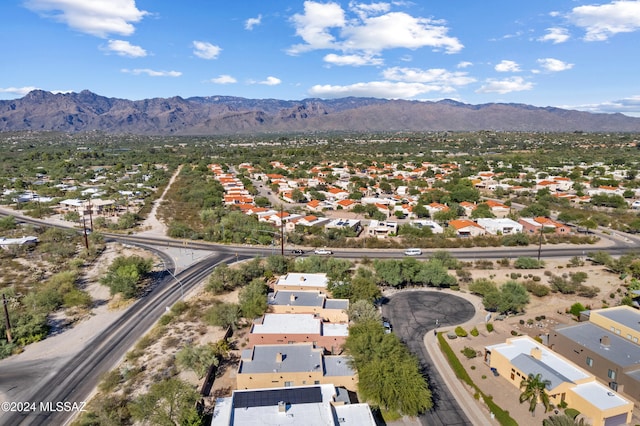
399	30
270	81
363	10
373	30
20	91
512	84
353	60
313	26
438	76
628	106
124	48
376	89
399	83
252	22
96	17
223	79
554	65
464	64
555	35
603	21
151	73
507	66
206	50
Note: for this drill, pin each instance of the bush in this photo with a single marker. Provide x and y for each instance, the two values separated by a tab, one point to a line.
475	332
469	352
528	263
461	332
489	327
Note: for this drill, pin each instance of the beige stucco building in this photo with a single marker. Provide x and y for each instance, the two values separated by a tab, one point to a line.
606	345
309	302
520	356
267	366
274	329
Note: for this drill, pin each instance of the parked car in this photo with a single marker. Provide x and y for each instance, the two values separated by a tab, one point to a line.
413	252
387	327
322	252
297	251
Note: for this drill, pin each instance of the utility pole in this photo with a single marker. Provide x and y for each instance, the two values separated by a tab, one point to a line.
84	227
540	243
90	216
281	231
6	319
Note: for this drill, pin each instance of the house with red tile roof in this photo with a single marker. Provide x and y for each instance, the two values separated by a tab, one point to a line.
536	224
467	228
498	209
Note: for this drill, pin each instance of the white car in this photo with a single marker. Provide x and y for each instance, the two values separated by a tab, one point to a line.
413	252
322	251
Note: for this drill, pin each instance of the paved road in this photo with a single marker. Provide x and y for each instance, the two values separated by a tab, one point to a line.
414	313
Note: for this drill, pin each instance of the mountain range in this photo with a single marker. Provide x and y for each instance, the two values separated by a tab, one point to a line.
226	115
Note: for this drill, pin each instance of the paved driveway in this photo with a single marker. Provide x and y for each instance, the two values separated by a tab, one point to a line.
414	313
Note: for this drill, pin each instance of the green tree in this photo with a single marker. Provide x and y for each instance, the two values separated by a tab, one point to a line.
223	315
513	297
534	390
253	299
197	358
363	310
169	402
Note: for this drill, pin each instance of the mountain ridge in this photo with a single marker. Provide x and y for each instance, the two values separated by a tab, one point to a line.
216	115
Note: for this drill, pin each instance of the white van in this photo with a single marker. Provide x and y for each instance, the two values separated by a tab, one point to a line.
413	252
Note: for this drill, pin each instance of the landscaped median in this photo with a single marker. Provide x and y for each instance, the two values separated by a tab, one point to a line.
501	415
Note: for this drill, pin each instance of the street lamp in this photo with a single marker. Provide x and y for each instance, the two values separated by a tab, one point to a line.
164	266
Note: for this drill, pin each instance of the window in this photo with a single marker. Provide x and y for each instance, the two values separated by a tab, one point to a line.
316	382
611	374
634	340
589	362
617	331
288	384
613	329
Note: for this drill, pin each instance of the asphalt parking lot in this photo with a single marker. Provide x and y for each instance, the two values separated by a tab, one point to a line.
414	313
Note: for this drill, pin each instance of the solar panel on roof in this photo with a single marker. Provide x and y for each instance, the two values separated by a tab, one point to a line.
264	398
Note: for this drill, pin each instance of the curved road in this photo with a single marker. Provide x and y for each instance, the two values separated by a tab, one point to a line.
76	379
413	314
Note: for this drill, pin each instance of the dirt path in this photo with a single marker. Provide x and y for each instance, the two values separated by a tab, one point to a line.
152	225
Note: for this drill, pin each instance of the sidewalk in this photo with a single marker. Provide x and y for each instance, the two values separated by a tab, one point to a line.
477	412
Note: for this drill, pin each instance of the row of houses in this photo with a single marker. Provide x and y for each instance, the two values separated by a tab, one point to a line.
592	366
293	370
464	227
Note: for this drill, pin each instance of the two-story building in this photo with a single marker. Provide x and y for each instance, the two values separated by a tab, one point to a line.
267	366
274	329
309	302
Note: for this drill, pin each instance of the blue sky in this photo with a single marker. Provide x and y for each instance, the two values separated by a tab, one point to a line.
564	53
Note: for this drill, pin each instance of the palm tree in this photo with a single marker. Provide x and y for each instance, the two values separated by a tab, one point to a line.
534	391
563	420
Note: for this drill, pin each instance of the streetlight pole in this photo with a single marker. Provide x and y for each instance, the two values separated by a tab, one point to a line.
164	266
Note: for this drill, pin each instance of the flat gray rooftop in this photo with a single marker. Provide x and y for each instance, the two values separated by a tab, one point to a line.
620	350
627	317
295	358
296	298
529	365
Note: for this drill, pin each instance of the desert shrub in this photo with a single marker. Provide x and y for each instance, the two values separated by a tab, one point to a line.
461	332
469	352
474	332
528	263
489	327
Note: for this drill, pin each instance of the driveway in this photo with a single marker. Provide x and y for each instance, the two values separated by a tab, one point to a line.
414	313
